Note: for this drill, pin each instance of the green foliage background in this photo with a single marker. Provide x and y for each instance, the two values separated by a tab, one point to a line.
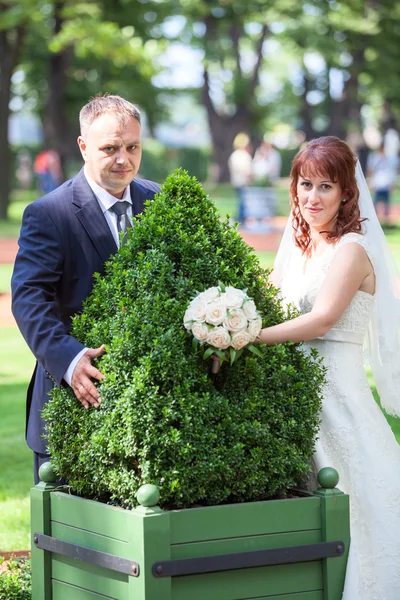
247	434
15	581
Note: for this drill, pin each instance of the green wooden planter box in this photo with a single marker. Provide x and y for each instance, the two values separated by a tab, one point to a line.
275	550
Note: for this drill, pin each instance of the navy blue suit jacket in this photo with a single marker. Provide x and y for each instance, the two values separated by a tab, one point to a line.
64	240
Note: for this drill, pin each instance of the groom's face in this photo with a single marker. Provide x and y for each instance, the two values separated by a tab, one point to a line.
319	200
112	152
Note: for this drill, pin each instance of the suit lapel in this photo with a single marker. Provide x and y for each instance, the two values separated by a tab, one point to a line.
91	216
139	195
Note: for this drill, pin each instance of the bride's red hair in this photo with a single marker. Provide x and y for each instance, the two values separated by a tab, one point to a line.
332	158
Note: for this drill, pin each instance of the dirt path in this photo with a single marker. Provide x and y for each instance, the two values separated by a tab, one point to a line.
6	317
8	251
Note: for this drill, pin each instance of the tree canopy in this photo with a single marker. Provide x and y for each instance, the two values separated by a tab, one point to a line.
319	66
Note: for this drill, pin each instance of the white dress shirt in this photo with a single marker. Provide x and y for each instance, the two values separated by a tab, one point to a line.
106	202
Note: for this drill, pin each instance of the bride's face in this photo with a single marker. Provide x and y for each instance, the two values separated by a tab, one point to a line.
319	201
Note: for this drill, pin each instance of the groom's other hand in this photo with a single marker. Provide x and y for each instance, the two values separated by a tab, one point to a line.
82	378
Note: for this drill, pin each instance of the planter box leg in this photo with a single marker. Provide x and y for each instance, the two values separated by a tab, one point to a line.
335	526
150	540
40	523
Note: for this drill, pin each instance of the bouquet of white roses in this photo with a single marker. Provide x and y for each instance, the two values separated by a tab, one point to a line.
224	319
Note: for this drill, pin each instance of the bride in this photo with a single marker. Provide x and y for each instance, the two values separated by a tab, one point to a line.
335	266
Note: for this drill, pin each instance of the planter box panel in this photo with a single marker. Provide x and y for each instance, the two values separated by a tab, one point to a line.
264	582
238	520
90	577
64	591
88	539
89	515
245	544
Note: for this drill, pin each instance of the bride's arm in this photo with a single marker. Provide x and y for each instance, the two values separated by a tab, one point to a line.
347	272
274	279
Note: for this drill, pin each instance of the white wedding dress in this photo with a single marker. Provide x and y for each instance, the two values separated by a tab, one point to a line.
354	437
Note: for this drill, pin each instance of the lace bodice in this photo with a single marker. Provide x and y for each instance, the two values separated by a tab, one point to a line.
301	284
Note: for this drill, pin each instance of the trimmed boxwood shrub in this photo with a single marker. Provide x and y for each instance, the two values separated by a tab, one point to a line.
246	434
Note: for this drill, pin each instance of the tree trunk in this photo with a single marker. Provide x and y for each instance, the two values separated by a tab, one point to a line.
340	111
306	110
224	129
10	46
389	120
5	154
223	134
346	112
55	123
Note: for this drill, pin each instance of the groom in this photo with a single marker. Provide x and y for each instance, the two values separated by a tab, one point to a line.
66	237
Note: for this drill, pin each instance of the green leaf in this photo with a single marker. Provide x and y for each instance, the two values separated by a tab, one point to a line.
208	353
254	350
222	286
233	356
221	355
239	353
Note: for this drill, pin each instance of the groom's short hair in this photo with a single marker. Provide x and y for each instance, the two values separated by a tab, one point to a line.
107	104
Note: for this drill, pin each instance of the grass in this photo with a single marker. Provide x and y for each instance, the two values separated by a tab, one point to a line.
16	473
5	278
19	199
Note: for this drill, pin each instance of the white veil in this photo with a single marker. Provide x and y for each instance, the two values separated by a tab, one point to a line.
382	344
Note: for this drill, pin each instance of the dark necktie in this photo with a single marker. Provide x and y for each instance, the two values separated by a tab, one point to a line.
123	222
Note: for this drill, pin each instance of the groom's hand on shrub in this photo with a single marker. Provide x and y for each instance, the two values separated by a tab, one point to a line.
81	382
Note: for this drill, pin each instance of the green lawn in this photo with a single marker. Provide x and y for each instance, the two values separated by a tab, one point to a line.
19	199
16	365
5	278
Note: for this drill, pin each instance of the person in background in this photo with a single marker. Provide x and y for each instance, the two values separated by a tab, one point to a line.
382	171
47	166
66	237
267	164
24	170
240	168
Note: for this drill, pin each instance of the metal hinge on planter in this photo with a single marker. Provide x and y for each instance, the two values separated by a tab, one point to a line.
94	557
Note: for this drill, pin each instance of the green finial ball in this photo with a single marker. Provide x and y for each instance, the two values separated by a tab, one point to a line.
148	495
46	473
328	478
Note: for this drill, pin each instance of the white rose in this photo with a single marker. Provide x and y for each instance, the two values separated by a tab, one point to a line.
240	340
232	297
188	319
200	331
198	309
235	320
250	310
211	294
215	313
219	338
254	329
